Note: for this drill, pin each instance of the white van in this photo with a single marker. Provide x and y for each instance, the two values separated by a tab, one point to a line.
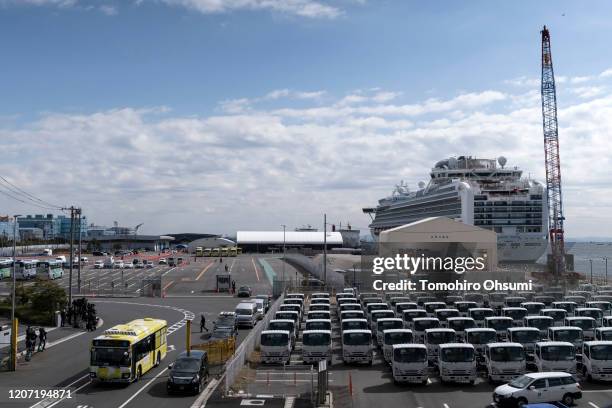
275	346
357	346
409	363
597	360
526	336
571	334
457	363
480	337
246	314
500	324
459	324
434	337
539	387
555	356
394	336
386	324
505	361
317	346
587	324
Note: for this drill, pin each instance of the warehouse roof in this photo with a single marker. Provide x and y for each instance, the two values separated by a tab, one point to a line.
290	237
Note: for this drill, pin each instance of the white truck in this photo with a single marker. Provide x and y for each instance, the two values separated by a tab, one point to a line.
597	360
434	337
420	324
526	336
505	361
541	323
286	325
409	315
457	363
431	307
517	314
555	356
593	312
603	333
464	306
357	346
571	334
318	324
392	337
480	337
386	324
500	324
316	346
275	346
558	315
379	314
533	308
479	314
409	363
444	314
354	324
459	324
587	324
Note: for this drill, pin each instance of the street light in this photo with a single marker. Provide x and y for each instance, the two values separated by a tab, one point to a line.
591	262
14	352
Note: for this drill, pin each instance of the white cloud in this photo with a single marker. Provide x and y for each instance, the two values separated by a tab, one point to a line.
587	91
303	8
108	10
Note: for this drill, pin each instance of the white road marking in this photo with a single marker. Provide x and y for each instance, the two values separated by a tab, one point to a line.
445	405
142	388
593	405
203	398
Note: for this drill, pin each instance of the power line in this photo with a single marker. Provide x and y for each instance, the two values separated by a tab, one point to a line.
19	191
27	202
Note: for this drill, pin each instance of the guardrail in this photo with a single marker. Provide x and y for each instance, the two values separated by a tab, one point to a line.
250	343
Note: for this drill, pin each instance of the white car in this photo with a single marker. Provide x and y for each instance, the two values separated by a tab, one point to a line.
128	265
99	265
118	265
538	387
162	261
149	265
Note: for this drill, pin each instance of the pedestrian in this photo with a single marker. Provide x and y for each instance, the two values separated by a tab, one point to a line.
220	260
203	323
28	342
69	315
234	287
226	268
42	339
63	317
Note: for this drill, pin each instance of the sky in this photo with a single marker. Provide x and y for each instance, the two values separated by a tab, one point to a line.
213	116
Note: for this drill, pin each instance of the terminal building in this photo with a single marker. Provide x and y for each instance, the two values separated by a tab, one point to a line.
273	241
111	243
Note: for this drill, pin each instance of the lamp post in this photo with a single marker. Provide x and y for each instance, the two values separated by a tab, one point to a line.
284	250
14	352
325	249
606	259
591	262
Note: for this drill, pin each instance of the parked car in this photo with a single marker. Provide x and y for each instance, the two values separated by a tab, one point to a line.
528	388
149	265
162	261
118	265
128	265
99	265
188	372
98	253
244	291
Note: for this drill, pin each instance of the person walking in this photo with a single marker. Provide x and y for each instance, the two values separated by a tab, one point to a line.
42	339
62	317
28	343
234	287
203	323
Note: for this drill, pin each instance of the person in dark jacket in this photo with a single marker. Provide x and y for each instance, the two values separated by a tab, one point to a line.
42	339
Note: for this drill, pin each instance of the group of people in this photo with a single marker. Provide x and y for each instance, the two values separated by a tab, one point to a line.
30	340
81	311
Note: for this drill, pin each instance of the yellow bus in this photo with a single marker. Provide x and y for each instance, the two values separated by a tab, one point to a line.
206	252
215	252
224	252
126	351
233	251
198	251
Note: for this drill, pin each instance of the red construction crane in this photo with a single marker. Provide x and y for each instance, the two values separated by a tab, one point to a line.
552	159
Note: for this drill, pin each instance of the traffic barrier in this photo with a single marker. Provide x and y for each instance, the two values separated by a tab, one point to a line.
219	351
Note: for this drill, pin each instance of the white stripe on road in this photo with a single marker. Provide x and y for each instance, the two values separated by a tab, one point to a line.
445	405
142	388
203	398
593	405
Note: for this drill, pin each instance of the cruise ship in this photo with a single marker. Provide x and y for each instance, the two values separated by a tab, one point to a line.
480	192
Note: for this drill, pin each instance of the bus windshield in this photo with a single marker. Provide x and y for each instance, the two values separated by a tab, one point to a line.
525	336
356	339
601	352
110	356
507	354
316	339
398	338
410	355
274	339
558	353
457	355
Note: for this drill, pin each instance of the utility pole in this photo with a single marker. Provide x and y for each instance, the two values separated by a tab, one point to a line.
606	259
591	262
13	325
79	265
284	250
325	249
72	212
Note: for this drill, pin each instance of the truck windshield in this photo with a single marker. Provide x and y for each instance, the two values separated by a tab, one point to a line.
274	339
514	302
382	315
568	335
461	325
282	316
507	354
318	326
400	307
541	324
398	338
601	352
316	339
464	306
393	324
422	325
558	353
413	314
107	356
356	339
515	314
481	314
595	314
410	355
474	297
482	337
584	324
445	314
556	314
352	315
525	336
605	335
534	308
499	324
282	326
457	355
359	325
430	308
440	337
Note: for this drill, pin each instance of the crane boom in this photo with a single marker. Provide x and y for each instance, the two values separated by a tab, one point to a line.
552	159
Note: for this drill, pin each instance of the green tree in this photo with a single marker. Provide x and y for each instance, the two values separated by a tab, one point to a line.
47	296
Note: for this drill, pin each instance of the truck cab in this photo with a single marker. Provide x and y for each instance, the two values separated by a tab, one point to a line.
434	337
409	363
603	333
386	324
431	307
444	314
605	306
457	363
354	324
352	314
571	334
401	306
514	301
593	312
477	298
587	324
459	324
464	306
379	314
275	346
526	336
597	360
411	314
318	324
496	300
285	325
533	308
505	361
500	324
558	315
579	300
555	356
517	314
568	306
317	346
392	337
480	337
479	314
357	346
541	323
420	324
